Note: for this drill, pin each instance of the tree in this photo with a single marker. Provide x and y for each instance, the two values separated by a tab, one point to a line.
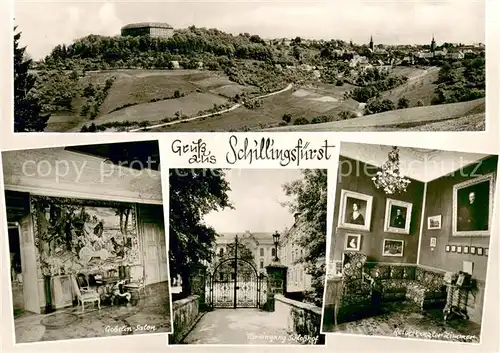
28	115
403	102
376	105
300	121
193	194
287	118
310	200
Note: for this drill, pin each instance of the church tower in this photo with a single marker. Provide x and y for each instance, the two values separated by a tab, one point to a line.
433	44
371	43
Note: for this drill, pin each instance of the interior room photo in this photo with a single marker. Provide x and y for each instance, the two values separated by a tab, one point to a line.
410	245
86	240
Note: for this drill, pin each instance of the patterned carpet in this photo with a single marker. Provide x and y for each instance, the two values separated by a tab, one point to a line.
406	320
150	315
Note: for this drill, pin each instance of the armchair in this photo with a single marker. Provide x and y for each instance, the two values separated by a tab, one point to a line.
84	294
356	299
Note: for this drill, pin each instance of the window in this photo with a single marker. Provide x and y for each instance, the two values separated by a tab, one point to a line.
261	251
261	264
221	276
273	252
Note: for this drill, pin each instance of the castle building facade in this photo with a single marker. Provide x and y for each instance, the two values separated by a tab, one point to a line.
150	29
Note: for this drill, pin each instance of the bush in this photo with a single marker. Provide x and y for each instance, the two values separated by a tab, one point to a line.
375	106
339	83
345	114
287	118
301	121
420	103
403	102
89	91
177	94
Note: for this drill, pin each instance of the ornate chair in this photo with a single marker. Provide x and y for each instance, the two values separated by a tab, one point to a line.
85	295
356	299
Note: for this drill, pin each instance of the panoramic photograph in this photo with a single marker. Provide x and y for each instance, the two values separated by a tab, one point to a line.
87	244
247	256
245	66
411	260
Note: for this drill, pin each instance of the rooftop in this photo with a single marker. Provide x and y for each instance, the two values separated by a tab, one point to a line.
147	24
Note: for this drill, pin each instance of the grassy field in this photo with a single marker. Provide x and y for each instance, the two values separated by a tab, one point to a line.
307	101
201	90
398	119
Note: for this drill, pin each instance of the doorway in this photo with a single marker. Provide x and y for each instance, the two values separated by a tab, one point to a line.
16	273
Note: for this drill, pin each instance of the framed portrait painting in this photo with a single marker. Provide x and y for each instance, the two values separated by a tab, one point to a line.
352	242
434	222
393	247
355	210
473	206
397	216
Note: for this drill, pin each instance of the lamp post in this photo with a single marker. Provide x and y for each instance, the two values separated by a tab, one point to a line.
276	239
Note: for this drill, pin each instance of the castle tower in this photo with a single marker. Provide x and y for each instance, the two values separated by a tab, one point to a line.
371	42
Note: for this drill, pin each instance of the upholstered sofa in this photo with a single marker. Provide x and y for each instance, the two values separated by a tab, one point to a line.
399	282
367	285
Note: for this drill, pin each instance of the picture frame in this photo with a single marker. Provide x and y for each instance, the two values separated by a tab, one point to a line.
466	249
433	242
393	248
434	222
453	248
355	210
352	242
480	251
459	249
447	248
470	198
473	250
397	216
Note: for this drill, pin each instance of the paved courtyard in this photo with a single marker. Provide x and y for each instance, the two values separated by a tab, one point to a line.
150	315
238	326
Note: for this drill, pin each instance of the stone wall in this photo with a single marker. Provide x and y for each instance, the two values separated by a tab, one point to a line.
302	320
186	314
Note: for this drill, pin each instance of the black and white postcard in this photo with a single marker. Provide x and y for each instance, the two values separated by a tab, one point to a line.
247	255
87	245
177	66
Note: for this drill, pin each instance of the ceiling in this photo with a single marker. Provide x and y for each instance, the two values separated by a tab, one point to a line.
416	163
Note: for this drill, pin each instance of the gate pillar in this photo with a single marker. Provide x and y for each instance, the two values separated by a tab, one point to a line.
198	286
276	283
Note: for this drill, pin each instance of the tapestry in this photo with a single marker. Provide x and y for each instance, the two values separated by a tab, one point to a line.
80	236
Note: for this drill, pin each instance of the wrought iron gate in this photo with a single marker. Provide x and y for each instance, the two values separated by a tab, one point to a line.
235	283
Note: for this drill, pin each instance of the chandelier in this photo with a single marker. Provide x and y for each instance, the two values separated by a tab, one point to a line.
388	177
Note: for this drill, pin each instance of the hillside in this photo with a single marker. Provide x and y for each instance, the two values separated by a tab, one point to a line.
139	95
400	119
421	87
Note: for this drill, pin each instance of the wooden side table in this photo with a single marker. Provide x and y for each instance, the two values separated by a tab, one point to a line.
334	287
456	301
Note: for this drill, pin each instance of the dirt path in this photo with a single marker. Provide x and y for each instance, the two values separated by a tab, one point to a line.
236	106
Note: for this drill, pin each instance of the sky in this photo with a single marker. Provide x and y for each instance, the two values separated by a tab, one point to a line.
45	24
257	195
